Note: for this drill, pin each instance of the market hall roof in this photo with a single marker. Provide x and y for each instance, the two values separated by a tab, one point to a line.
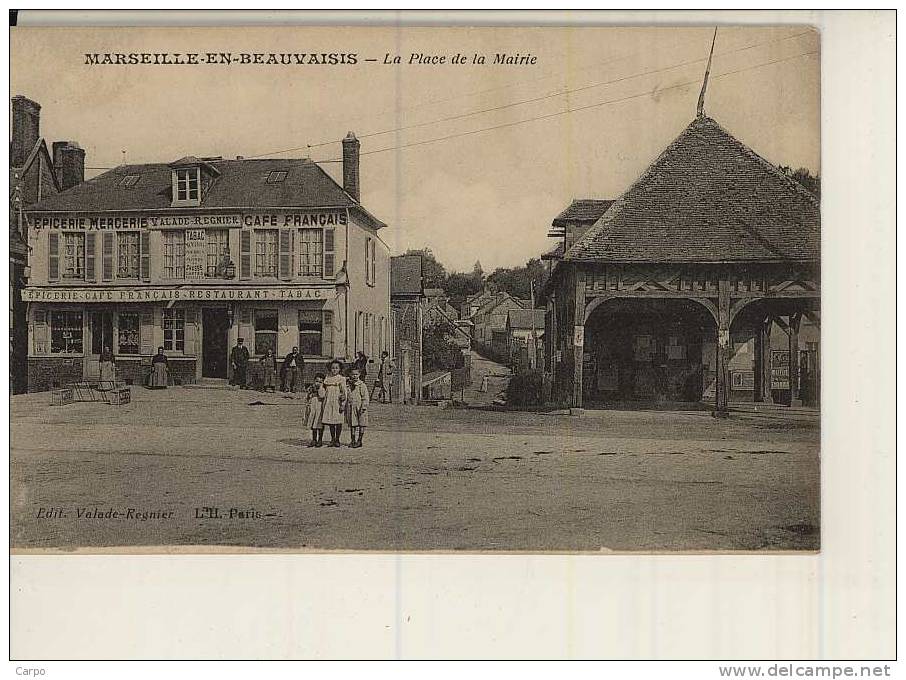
706	198
582	210
240	184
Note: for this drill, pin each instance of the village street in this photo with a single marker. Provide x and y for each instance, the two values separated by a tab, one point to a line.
426	479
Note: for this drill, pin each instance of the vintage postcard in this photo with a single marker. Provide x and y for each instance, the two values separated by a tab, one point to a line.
398	288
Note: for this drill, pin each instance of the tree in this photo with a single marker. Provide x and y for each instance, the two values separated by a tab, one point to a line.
433	271
458	286
805	178
518	280
439	353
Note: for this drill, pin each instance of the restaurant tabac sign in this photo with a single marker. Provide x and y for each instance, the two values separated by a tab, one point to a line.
177	294
88	222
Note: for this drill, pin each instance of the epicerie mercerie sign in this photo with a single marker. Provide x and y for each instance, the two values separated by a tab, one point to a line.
177	294
190	221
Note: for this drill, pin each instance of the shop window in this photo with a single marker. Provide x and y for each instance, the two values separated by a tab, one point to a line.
266	252
174	254
218	252
265	330
73	256
66	332
128	254
311	324
187	184
128	326
174	322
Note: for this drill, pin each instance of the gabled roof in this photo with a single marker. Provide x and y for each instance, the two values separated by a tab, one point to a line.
494	302
241	184
582	210
406	275
706	198
522	319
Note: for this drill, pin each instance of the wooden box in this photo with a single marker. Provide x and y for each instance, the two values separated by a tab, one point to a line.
61	397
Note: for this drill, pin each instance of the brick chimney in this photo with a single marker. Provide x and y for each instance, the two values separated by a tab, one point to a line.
69	164
351	165
26	129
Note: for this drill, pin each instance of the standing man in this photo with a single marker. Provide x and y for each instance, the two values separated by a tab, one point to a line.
239	358
384	382
293	364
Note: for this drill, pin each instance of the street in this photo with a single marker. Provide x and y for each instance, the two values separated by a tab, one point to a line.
217	467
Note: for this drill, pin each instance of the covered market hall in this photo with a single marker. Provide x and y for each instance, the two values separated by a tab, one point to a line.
699	284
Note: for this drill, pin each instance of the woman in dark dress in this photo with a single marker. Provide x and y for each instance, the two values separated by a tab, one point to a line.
361	363
160	374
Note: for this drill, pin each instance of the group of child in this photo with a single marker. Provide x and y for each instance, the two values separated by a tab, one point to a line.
334	399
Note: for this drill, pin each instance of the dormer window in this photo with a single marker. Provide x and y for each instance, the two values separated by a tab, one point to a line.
276	177
129	181
188	185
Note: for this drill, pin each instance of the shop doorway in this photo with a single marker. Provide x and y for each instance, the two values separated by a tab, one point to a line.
100	330
215	326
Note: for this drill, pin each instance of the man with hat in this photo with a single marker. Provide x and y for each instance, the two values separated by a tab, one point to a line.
239	358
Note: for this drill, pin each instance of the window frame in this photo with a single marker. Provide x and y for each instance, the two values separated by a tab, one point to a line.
180	256
315	260
81	330
129	181
77	259
137	234
138	332
187	186
265	255
310	332
222	238
275	333
276	177
177	317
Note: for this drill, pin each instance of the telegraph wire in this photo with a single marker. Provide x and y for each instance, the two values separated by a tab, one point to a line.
560	93
572	110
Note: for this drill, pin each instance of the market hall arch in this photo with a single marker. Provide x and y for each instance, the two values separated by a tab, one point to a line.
643	349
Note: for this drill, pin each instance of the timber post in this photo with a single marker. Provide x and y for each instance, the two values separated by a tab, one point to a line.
578	338
721	392
795	319
766	374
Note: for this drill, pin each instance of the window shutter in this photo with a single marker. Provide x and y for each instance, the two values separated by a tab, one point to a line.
40	333
327	334
245	254
53	255
286	254
145	262
90	256
247	329
328	253
146	334
107	248
371	259
191	334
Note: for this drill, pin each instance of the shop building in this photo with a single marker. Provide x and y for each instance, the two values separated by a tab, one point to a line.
676	291
192	255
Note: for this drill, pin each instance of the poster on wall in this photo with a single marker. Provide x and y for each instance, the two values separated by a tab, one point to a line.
196	253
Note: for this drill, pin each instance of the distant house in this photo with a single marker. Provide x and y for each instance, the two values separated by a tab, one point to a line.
525	337
490	317
473	303
407	301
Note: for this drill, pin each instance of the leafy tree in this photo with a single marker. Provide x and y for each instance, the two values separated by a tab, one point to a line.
517	280
458	286
434	271
438	351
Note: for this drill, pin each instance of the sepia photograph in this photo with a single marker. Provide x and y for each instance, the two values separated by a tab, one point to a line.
522	289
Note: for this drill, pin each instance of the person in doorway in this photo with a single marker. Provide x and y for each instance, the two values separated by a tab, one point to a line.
108	370
239	358
361	363
160	371
335	394
356	408
269	371
384	382
292	370
314	408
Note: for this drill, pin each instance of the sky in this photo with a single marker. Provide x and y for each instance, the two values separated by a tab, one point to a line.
450	158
